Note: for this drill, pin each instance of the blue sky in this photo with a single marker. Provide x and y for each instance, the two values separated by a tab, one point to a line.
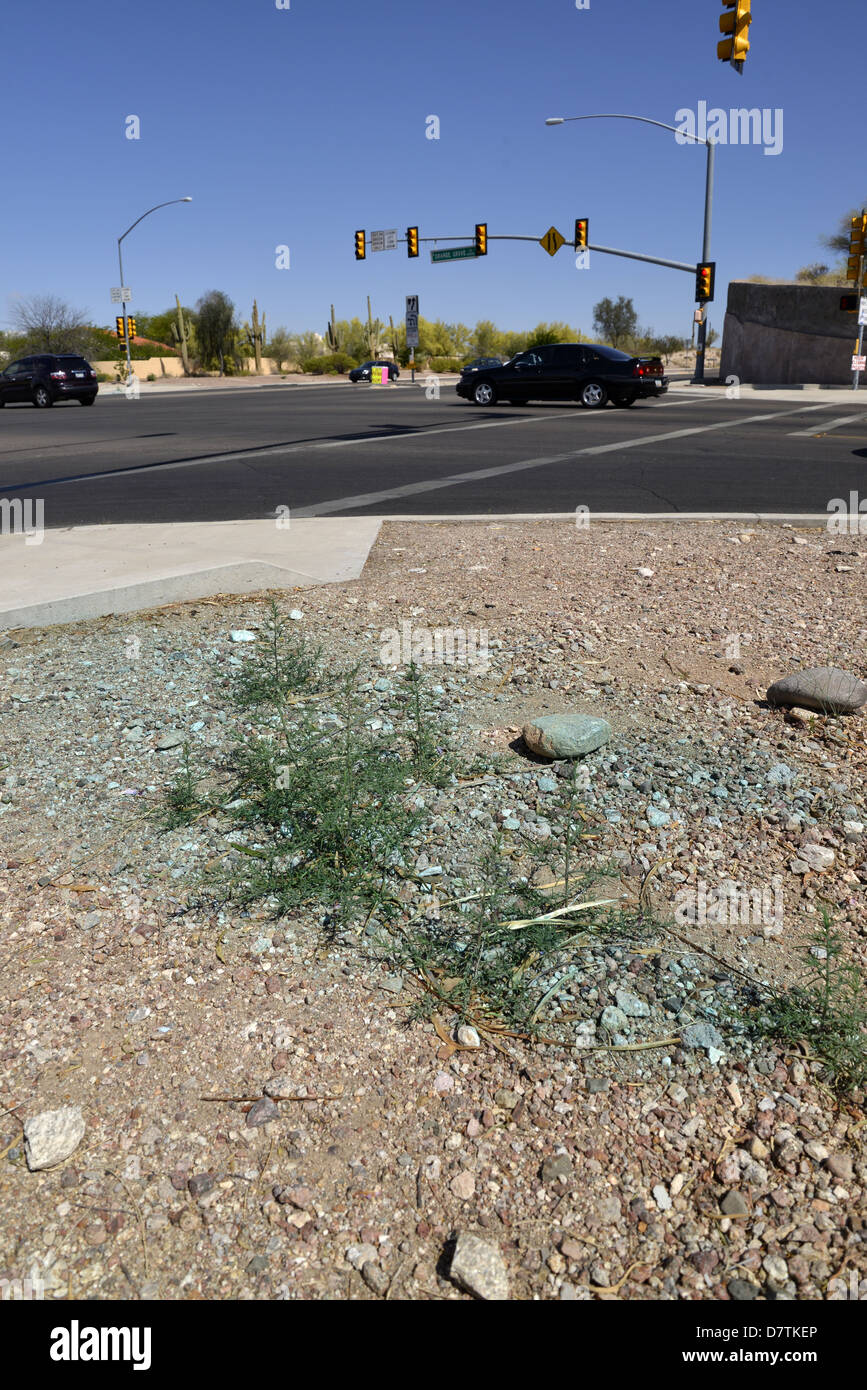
297	126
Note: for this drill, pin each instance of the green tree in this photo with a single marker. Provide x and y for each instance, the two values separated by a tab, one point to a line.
280	346
615	321
216	329
158	327
485	339
551	333
307	344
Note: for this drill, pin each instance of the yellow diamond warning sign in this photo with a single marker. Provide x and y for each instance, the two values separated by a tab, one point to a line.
552	241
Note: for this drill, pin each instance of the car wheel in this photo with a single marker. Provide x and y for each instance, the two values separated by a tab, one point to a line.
593	395
623	400
87	400
42	398
484	393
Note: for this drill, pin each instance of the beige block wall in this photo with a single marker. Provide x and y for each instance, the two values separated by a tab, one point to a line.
173	366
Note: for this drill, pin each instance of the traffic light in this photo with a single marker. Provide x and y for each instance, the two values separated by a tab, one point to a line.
481	238
360	246
131	326
857	245
705	274
582	233
849	303
736	25
118	323
412	241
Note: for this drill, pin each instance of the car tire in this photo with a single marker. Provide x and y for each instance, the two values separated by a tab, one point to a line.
87	400
42	398
593	395
623	400
484	393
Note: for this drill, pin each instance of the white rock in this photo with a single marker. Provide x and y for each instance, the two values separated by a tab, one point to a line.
296	615
661	1197
467	1036
479	1268
52	1136
646	573
242	635
817	857
358	1255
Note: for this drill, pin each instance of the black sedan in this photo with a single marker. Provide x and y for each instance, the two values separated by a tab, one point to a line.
590	373
365	371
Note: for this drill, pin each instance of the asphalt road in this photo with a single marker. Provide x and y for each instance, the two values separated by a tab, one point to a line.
354	450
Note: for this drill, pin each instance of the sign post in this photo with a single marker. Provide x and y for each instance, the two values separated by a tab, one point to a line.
412	330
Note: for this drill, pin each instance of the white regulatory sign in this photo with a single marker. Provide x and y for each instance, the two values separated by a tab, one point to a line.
391	239
859	364
862	310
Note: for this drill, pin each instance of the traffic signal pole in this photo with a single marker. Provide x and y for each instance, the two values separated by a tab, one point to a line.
698	378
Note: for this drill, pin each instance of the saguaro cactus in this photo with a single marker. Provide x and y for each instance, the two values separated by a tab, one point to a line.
331	333
180	333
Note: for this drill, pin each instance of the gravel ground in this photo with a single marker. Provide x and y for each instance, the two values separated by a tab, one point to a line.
659	1153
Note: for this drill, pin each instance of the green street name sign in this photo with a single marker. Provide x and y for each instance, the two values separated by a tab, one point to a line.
455	253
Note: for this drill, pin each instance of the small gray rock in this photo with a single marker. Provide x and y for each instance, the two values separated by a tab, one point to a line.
375	1278
742	1291
556	1166
565	735
360	1255
170	739
479	1268
823	688
734	1204
631	1005
696	1035
260	1113
614	1019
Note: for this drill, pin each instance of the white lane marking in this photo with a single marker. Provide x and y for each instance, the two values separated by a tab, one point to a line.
369	499
828	425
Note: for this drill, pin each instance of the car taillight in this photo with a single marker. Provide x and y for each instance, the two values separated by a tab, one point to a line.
638	370
58	376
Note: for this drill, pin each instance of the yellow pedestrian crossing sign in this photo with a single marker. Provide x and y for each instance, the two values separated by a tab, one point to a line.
552	241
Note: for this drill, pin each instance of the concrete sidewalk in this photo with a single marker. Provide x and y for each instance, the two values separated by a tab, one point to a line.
89	571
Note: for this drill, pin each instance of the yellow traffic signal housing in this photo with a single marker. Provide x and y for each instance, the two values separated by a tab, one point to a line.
412	241
481	238
705	274
858	235
131	327
853	267
736	25
360	246
118	324
582	233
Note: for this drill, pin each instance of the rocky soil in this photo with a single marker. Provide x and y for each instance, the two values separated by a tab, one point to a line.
264	1117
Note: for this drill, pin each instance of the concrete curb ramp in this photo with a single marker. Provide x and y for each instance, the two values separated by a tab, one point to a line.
90	571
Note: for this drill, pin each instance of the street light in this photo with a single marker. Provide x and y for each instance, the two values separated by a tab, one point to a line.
120	266
708	201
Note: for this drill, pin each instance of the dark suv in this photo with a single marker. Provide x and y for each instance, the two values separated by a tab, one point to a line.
46	378
587	372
